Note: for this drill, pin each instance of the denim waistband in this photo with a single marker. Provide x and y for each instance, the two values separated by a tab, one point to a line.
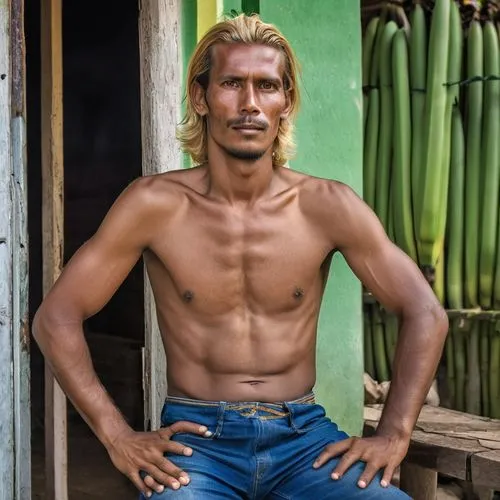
308	398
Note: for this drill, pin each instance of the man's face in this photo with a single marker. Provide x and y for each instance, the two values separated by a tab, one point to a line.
245	99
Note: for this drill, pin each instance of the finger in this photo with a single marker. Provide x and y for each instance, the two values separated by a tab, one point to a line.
177	448
139	484
332	450
172	470
184	426
387	477
162	478
149	481
368	474
348	459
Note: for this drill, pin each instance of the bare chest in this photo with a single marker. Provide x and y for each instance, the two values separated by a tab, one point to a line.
220	261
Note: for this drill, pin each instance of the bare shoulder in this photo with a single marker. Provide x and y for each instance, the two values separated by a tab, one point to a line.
160	193
333	206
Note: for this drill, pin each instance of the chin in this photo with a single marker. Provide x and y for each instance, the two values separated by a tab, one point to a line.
246	154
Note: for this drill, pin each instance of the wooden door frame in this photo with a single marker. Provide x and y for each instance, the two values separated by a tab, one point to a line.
160	61
15	450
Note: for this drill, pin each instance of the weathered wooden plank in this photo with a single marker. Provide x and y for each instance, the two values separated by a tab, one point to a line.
52	232
20	320
434	450
159	41
419	483
6	380
485	469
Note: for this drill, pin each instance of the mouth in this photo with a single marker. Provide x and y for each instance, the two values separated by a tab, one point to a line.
248	127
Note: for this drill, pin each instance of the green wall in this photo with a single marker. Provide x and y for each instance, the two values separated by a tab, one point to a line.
327	39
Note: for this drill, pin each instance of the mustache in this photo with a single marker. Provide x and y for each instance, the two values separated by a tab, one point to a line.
247	120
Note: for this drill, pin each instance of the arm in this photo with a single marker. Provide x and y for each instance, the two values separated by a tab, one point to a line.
86	284
397	283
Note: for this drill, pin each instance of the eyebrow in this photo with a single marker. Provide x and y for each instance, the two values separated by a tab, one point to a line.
276	81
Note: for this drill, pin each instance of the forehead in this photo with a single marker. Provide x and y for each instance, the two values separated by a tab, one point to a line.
244	58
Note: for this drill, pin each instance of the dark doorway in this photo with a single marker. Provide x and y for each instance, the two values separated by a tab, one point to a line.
102	155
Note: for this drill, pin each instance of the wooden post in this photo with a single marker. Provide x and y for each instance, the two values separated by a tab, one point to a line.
159	39
20	320
418	482
15	463
6	266
52	230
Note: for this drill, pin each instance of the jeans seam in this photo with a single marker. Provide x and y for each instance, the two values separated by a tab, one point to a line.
282	495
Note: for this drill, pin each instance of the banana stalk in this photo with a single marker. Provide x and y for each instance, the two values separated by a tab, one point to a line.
401	176
432	181
473	375
370	148
474	112
459	341
418	75
455	226
367	57
386	125
490	172
368	343
495	371
484	367
379	345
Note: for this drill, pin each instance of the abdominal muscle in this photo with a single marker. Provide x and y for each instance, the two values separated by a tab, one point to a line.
275	363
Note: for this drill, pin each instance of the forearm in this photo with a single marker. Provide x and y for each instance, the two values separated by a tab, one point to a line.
66	352
419	348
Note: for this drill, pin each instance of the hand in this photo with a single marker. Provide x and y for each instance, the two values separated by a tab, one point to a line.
378	452
132	452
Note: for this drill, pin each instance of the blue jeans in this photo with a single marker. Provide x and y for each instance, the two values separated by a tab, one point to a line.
262	451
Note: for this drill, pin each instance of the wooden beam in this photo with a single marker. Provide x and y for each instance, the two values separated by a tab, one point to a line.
159	42
7	463
418	482
20	320
52	230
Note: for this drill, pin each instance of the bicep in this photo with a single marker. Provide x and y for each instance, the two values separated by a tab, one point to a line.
100	265
383	268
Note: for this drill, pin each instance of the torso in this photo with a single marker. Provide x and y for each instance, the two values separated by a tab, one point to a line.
238	290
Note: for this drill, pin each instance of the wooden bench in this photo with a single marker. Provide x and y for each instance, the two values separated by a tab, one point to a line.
458	445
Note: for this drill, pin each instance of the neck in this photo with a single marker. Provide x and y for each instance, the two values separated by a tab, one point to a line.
238	181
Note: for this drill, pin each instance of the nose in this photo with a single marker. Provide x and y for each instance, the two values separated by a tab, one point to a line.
248	102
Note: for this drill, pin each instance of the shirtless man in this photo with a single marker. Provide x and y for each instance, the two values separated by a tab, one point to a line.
238	251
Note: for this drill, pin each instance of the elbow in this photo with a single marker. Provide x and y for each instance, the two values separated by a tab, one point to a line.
39	325
440	322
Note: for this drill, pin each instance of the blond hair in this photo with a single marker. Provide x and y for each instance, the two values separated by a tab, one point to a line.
192	131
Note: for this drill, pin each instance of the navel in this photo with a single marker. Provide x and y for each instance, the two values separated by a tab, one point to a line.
298	293
188	296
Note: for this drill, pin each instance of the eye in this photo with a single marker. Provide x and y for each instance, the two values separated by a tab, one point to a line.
268	85
230	83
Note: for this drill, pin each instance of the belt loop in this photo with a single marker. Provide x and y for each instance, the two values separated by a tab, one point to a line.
291	419
220	418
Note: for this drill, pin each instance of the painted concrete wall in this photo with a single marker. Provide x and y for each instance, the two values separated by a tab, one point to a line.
326	37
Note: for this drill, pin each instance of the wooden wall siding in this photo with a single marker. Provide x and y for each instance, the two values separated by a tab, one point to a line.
6	379
15	463
20	322
159	39
52	230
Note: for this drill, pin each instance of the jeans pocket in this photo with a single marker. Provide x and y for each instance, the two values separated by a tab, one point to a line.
209	417
307	418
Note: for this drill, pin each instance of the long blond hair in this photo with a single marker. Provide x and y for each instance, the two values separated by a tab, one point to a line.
192	131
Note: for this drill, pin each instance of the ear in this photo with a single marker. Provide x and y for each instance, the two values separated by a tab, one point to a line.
198	99
288	105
